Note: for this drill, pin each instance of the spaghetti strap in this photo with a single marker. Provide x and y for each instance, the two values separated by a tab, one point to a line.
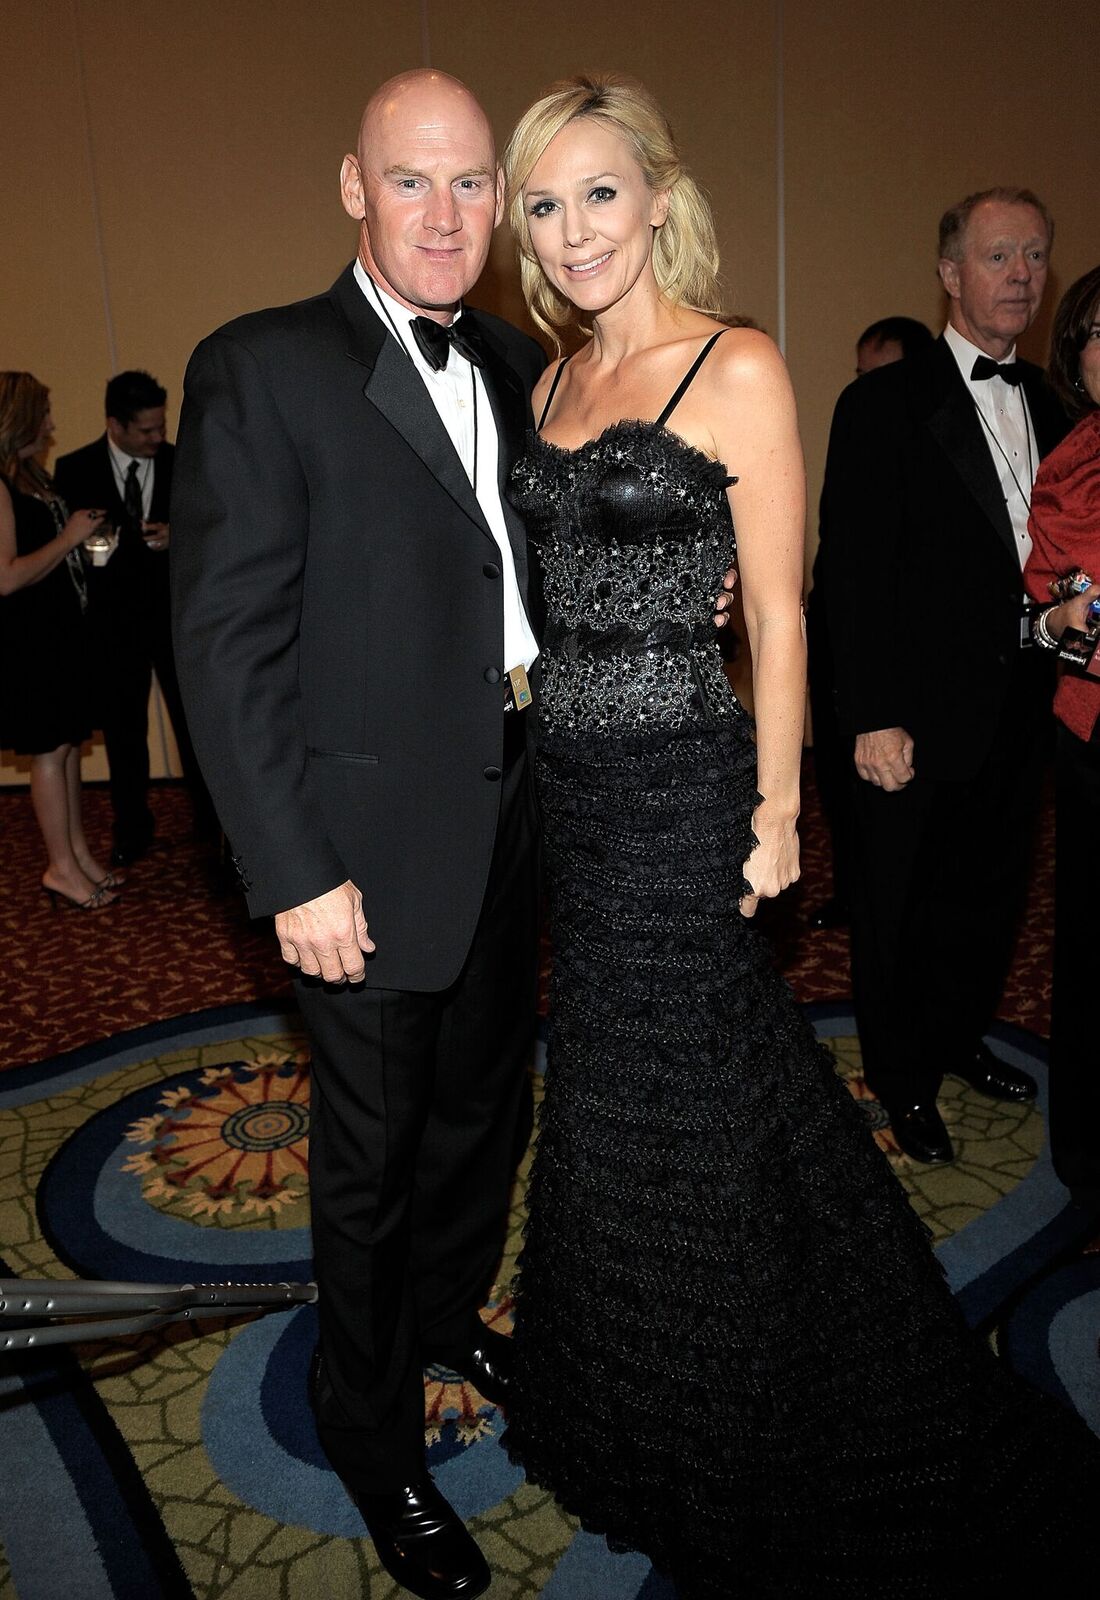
686	381
553	392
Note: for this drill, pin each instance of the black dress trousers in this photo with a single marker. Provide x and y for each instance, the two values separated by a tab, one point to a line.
940	877
420	1101
833	766
132	629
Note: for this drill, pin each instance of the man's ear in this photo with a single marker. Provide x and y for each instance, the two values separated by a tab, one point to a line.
351	187
500	198
949	276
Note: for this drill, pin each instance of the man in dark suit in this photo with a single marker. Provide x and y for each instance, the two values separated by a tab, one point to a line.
349	587
129	471
926	497
889	339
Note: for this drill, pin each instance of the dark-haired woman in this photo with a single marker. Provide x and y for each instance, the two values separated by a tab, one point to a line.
44	666
1065	534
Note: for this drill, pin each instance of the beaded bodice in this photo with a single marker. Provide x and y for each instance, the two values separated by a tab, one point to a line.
632	534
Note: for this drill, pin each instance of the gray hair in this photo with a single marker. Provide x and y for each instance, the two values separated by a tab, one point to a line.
954	221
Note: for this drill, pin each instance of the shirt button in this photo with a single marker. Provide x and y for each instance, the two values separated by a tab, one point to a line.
490	570
492	674
493	774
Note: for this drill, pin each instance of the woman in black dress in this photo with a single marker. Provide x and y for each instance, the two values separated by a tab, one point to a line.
44	665
734	1348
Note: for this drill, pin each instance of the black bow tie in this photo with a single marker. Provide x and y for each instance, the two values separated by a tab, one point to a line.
435	341
986	367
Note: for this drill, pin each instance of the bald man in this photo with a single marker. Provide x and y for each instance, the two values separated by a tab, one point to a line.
350	596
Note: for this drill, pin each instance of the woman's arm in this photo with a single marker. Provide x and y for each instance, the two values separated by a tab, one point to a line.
1065	527
757	436
18	572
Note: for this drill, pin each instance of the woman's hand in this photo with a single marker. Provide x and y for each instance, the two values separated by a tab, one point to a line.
773	864
19	572
80	526
1072	613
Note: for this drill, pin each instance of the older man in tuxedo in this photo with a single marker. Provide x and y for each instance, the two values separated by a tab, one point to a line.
351	625
927	491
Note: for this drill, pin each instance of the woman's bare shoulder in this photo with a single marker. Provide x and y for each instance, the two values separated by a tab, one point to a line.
747	352
545	379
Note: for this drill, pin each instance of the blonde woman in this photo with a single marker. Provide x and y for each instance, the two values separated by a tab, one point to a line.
733	1350
44	664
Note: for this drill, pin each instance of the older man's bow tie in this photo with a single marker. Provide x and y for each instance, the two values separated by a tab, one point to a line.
985	367
435	342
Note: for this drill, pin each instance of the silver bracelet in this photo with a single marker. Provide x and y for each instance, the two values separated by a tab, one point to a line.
1041	633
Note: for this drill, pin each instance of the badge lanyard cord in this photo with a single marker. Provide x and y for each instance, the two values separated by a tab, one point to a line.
385	310
1026	498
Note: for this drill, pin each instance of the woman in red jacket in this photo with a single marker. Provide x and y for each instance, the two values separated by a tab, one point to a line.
1065	532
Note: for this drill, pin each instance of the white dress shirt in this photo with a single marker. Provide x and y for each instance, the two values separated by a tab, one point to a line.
458	394
1006	423
120	466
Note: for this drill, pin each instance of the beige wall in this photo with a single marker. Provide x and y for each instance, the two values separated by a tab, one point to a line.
167	167
891	115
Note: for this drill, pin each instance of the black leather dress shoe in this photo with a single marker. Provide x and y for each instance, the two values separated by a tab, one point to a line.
921	1134
419	1538
490	1367
126	851
422	1543
832	913
487	1365
990	1075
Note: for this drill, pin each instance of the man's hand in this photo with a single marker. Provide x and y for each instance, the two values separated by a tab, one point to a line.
326	937
885	758
725	600
155	535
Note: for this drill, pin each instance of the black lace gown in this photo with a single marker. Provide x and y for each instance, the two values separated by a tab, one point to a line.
735	1349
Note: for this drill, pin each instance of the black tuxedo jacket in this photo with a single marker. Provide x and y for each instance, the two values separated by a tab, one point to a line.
338	620
135	574
923	588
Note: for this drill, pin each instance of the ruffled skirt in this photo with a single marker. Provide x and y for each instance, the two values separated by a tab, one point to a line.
736	1351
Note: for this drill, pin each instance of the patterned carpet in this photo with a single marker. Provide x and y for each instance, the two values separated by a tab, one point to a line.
179	939
152	1127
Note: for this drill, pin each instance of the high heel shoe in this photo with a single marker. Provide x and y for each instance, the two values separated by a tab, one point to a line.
111	881
95	902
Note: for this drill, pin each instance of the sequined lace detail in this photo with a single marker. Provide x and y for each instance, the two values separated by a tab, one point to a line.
631	530
651	689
